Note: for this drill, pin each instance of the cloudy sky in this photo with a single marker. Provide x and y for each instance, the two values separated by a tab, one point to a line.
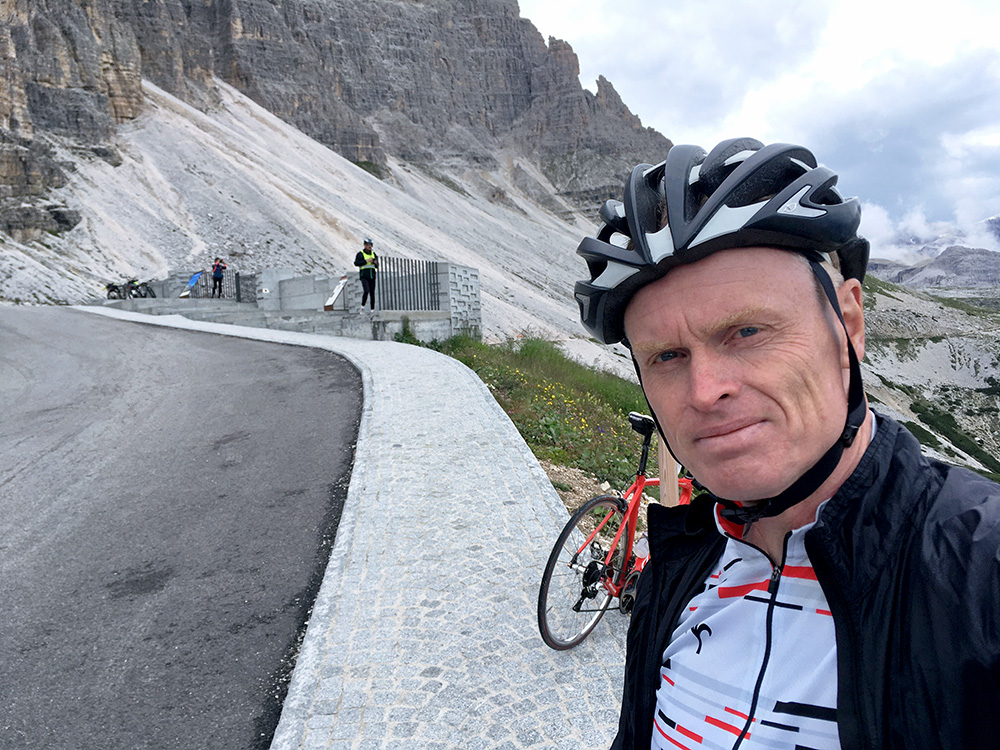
903	103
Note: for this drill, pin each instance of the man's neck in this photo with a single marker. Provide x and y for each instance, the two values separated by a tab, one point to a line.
769	533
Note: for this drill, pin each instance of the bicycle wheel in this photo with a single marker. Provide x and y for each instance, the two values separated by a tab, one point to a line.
572	598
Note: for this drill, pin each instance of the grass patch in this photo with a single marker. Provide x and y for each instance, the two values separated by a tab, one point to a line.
568	413
873	285
963	306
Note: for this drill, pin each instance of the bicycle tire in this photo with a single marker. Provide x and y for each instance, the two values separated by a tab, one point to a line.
150	292
571	599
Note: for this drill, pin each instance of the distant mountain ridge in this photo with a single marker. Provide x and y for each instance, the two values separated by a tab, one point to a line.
456	84
956	266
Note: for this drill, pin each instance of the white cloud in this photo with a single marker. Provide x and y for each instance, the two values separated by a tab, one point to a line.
904	104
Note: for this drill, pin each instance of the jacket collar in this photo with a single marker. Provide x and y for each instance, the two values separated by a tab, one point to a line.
862	526
866	502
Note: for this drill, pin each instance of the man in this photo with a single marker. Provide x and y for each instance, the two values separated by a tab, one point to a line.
367	261
834	588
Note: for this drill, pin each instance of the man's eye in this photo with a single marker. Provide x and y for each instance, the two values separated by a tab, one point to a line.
666	356
747	331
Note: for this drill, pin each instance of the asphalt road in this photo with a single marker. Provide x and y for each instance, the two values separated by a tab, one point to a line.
168	500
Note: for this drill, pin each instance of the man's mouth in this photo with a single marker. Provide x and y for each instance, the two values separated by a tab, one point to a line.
733	430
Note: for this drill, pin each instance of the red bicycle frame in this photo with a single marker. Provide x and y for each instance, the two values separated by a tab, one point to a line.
633	498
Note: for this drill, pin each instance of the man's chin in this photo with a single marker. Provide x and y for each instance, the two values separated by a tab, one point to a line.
737	490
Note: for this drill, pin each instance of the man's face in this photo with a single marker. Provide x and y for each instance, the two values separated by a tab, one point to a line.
744	367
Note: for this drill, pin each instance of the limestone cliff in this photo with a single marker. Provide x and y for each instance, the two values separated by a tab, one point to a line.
66	69
443	82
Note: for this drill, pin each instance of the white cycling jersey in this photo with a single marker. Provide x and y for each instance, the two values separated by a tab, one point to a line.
753	661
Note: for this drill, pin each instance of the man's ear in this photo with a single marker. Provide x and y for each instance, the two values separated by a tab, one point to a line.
851	307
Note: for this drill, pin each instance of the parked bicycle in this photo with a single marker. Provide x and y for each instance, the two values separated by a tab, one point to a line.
130	289
136	288
595	559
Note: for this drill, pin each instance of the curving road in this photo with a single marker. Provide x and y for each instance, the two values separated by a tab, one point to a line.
167	504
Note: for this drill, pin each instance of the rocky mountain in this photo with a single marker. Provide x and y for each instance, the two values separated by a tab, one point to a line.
993	224
140	137
934	364
956	266
450	84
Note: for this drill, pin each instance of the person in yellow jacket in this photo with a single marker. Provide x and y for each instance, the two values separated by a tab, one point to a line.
367	261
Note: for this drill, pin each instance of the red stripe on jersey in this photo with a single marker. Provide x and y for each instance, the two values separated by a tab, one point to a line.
737	713
689	734
668	737
723	725
826	612
730	592
667	679
799	571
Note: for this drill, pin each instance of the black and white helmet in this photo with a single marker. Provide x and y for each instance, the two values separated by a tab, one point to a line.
741	194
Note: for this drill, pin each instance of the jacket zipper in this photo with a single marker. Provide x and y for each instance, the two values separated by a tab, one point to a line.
772	590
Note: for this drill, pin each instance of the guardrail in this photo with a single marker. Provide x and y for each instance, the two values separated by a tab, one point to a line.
405	284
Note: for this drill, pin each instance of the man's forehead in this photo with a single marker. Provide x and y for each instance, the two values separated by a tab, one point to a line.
716	293
740	267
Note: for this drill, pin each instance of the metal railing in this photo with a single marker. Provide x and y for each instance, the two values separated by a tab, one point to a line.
405	284
241	287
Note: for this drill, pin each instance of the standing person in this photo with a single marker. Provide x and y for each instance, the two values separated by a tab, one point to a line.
218	267
834	587
367	261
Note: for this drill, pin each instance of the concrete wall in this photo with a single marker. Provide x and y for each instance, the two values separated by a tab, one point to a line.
283	290
305	292
464	302
268	287
426	326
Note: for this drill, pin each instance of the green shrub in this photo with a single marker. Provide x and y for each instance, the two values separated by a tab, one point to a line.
944	424
371	168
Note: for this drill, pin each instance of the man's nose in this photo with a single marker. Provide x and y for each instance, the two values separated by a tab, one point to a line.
712	380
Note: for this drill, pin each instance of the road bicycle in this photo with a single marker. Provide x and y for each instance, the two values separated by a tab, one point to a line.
597	558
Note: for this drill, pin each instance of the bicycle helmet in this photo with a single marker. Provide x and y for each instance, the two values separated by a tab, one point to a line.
741	194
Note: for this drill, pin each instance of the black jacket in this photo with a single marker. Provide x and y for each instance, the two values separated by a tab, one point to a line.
908	555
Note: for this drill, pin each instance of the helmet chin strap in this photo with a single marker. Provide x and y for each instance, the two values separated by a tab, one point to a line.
814	477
